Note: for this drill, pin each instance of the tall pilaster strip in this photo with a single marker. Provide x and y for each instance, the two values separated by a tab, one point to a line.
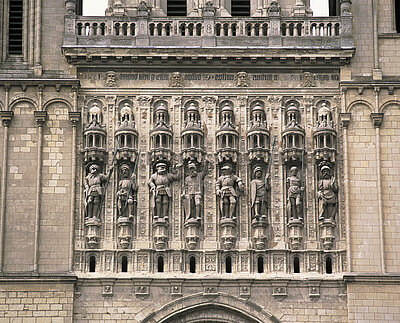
6	117
345	120
377	119
40	117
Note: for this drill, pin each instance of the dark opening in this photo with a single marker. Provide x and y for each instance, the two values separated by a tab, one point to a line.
15	28
328	265
397	15
240	8
334	8
79	7
296	265
176	7
92	264
192	263
124	264
160	264
260	265
228	265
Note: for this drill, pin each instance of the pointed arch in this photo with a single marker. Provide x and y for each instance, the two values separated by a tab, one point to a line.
222	304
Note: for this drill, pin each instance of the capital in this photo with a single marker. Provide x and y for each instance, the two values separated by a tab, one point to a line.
74	118
377	119
6	117
40	117
345	119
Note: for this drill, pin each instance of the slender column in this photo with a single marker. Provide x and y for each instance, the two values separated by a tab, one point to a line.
40	117
6	117
377	119
38	36
375	33
31	31
74	117
25	29
345	119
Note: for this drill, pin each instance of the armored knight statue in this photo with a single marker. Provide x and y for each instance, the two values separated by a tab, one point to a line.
294	199
160	190
126	194
228	187
258	194
192	195
94	191
327	195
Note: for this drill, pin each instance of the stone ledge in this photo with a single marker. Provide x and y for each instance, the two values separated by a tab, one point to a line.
372	278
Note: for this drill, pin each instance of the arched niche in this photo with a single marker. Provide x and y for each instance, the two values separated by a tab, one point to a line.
220	309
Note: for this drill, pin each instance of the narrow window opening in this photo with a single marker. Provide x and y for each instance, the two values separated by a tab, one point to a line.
334	8
296	265
328	265
15	28
124	264
160	264
176	8
228	265
397	14
260	265
92	264
192	264
240	8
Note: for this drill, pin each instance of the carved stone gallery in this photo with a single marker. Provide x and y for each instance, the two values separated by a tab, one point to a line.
199	161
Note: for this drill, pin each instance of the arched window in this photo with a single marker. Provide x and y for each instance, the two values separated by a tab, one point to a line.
92	264
192	264
240	8
176	8
228	265
15	27
124	264
328	265
397	15
296	265
160	264
260	265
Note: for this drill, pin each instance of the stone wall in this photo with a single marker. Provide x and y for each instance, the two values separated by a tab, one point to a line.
36	302
373	301
293	301
21	191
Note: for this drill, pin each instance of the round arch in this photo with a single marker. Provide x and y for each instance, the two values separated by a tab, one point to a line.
24	99
389	103
220	308
360	102
57	100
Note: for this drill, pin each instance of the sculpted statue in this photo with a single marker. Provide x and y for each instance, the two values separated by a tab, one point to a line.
327	195
192	195
228	187
294	200
94	191
126	194
160	190
258	192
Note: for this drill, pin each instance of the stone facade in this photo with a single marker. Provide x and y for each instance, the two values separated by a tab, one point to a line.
208	167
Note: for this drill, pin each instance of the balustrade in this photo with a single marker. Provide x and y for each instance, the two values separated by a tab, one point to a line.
247	29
